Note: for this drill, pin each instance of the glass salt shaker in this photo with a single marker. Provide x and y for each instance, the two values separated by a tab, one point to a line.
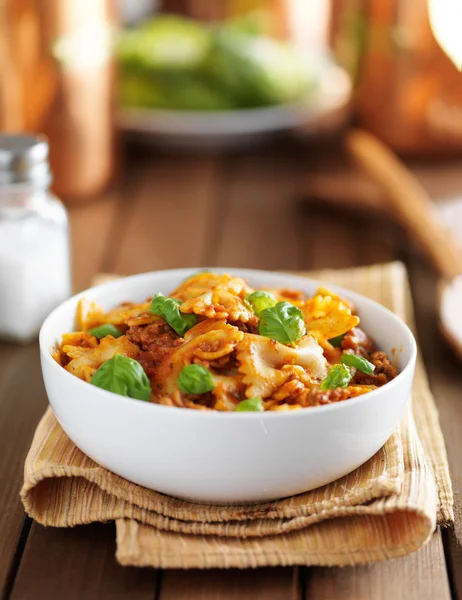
34	239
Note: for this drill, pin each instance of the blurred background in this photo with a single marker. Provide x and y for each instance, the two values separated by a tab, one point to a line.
229	118
218	133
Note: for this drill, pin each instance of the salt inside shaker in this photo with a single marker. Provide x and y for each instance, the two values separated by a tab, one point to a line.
34	239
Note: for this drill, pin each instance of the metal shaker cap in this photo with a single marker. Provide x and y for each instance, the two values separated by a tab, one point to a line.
24	159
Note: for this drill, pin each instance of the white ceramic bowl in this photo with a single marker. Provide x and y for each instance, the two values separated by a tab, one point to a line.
225	457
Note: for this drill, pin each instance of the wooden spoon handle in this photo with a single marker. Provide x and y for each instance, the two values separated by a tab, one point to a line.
409	201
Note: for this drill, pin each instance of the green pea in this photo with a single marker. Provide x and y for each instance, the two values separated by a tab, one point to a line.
195	379
260	300
250	405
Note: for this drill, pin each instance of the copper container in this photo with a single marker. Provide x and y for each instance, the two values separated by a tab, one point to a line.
60	82
408	92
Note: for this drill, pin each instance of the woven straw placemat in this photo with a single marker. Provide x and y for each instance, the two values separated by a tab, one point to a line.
387	508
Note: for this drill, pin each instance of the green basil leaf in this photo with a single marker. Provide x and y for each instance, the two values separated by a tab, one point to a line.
124	376
360	363
339	376
260	300
195	379
250	405
104	330
337	341
283	323
169	309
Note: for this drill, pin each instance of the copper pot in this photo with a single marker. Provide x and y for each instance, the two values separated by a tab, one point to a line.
408	92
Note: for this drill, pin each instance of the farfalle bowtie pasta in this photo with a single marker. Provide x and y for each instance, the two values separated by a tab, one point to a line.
215	343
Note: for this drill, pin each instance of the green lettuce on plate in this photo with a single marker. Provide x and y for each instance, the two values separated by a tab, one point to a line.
171	62
166	42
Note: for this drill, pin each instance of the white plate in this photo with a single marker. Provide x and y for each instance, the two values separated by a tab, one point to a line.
234	457
326	111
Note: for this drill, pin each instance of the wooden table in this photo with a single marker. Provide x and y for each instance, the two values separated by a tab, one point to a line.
242	211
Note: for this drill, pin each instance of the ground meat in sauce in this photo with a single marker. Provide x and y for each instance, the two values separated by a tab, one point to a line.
228	362
149	336
332	355
249	327
208	400
317	397
384	371
149	361
359	342
156	341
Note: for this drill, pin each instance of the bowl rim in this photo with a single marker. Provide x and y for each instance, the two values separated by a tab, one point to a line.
190	413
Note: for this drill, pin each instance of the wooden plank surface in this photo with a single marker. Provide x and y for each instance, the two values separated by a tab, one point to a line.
240	211
92	228
166	220
22	402
260	584
72	564
420	576
258	226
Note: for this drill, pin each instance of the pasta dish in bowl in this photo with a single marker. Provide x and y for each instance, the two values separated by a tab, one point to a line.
230	386
215	343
